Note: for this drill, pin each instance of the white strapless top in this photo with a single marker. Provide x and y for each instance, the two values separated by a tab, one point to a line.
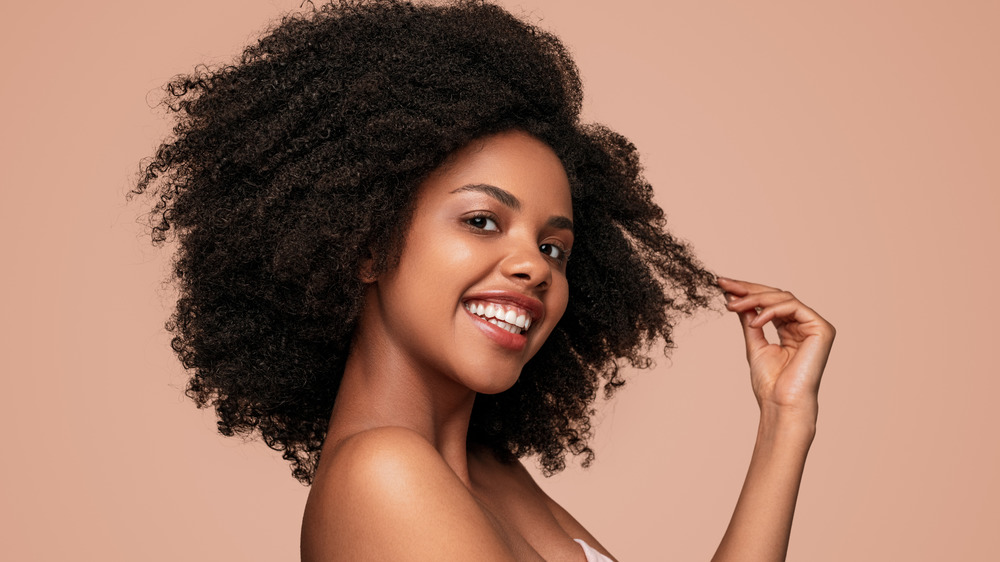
592	555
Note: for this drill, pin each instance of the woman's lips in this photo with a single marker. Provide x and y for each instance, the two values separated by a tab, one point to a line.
512	318
530	306
504	316
498	334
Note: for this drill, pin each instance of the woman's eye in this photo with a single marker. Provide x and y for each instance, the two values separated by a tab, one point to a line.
553	251
482	223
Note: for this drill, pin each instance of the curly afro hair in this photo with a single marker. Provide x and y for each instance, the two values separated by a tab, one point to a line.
289	168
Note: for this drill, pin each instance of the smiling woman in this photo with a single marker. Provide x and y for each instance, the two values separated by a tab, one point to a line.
490	231
406	264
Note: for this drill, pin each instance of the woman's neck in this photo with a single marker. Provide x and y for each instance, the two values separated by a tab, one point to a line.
383	388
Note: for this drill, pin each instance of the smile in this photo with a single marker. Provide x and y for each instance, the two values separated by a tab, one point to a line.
506	316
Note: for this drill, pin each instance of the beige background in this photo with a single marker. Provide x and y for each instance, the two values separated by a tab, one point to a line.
847	151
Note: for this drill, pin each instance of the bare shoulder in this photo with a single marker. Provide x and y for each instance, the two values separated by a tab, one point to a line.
386	494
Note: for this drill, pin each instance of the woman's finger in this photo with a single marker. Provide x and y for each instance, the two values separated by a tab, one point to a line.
733	287
743	298
742	288
759	300
753	335
786	311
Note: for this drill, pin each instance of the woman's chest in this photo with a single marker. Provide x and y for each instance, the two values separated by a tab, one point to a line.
523	515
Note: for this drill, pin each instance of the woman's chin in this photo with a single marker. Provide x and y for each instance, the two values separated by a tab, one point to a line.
496	384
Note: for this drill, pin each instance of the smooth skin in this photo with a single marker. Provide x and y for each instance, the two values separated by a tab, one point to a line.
397	481
785	378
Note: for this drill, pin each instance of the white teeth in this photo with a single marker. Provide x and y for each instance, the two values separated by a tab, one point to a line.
510	320
510	328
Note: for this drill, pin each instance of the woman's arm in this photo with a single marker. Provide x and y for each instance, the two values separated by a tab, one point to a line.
785	377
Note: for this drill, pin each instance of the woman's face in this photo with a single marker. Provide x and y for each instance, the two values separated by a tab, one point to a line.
481	280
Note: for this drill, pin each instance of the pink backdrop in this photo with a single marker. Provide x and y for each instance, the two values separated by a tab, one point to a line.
847	151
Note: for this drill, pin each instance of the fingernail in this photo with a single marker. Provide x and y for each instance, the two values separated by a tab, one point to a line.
729	297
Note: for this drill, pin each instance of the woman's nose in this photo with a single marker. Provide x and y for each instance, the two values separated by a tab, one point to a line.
527	265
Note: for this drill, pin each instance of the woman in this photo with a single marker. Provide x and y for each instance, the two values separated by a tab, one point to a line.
406	264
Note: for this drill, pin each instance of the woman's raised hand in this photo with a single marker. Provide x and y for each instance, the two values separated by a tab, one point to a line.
785	375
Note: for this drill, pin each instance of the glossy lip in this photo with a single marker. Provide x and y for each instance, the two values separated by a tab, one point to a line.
505	339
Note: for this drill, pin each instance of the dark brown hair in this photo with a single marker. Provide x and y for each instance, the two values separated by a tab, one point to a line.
290	166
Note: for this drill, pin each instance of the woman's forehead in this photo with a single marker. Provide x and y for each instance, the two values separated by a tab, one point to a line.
513	161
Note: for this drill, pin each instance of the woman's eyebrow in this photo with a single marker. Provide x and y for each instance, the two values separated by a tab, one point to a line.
561	222
504	197
507	199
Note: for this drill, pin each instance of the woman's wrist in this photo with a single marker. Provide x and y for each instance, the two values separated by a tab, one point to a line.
787	425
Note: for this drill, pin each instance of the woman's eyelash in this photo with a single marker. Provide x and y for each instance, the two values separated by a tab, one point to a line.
482	222
561	254
488	222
